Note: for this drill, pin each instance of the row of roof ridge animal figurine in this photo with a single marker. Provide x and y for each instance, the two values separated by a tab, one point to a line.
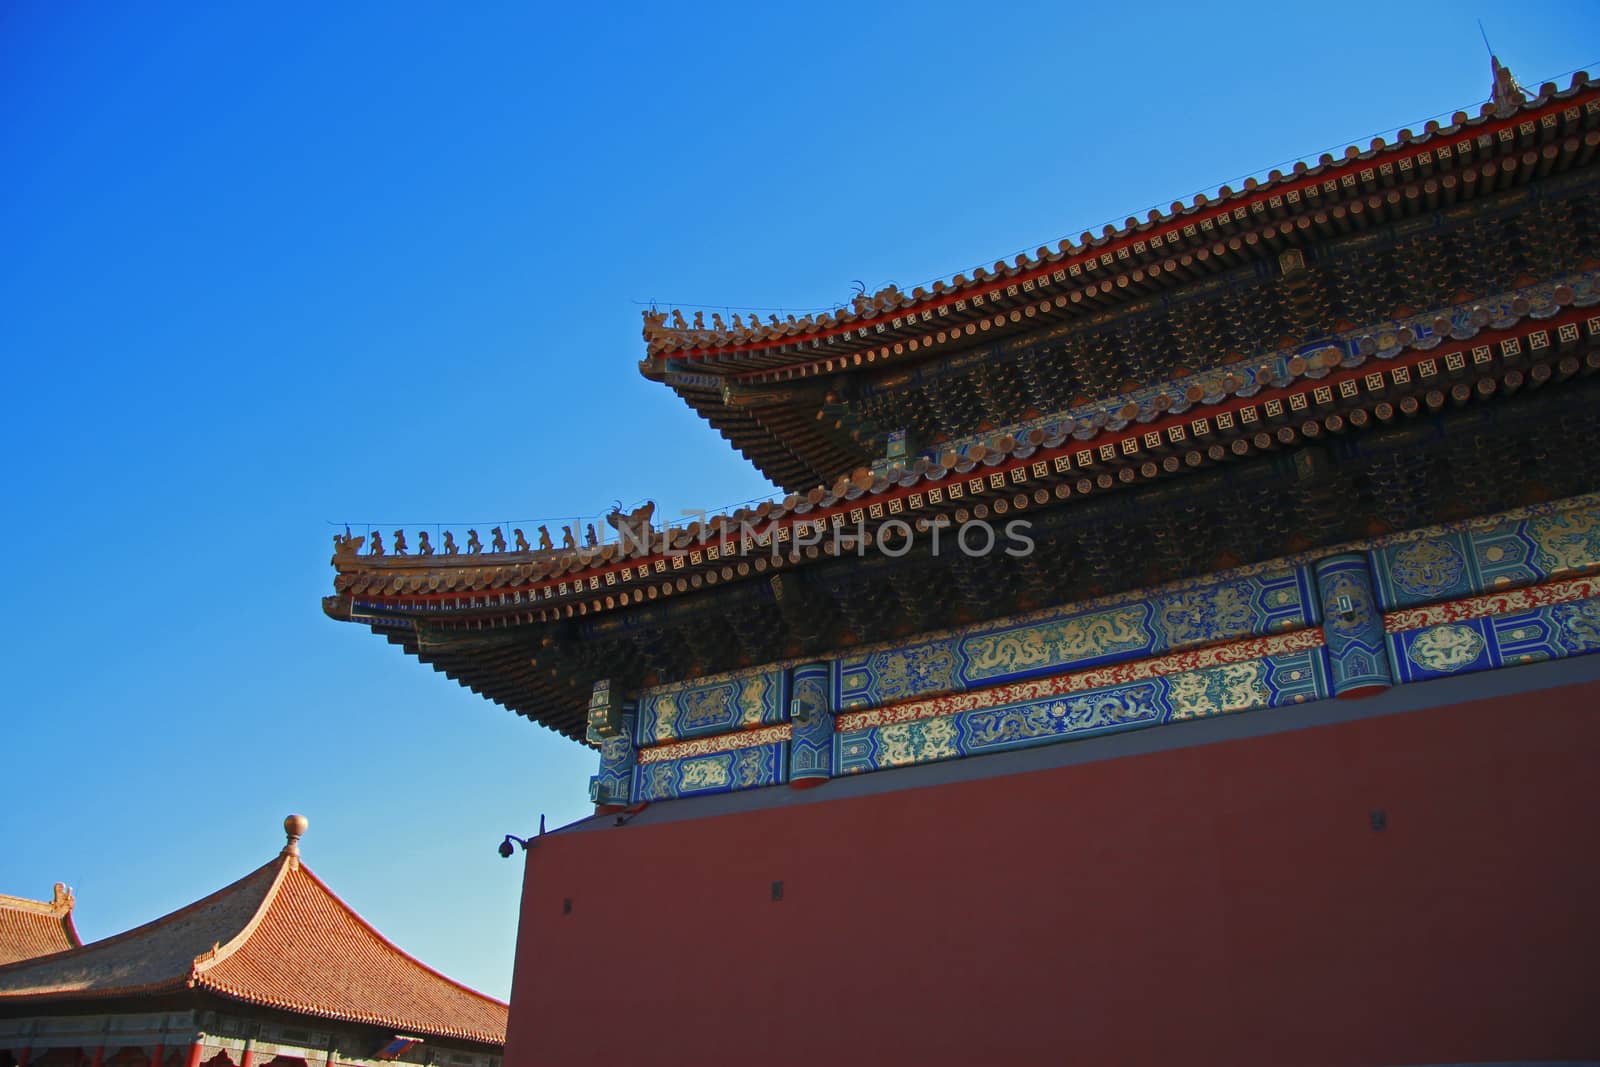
673	319
635	524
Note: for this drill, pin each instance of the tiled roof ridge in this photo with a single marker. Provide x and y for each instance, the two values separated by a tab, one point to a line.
390	945
159	922
687	342
62	904
292	868
37	928
223	950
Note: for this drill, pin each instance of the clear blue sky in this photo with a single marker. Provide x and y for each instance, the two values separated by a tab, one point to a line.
269	268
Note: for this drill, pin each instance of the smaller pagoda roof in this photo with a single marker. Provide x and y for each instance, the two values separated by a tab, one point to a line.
277	938
33	928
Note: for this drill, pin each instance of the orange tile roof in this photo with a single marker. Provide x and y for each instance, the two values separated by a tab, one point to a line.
277	938
309	952
31	928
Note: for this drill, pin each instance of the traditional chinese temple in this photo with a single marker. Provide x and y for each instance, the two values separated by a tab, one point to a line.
271	971
1261	730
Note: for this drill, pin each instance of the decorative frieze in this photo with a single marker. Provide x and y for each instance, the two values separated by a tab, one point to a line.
1189	615
1551	631
1507	553
1484	593
1080	681
717	705
1281	678
721	772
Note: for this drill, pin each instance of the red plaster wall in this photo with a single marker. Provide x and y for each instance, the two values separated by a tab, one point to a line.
1224	904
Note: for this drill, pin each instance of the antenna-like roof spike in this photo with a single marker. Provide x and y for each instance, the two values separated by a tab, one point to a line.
1505	95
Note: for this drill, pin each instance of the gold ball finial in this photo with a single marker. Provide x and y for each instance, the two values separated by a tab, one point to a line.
295	827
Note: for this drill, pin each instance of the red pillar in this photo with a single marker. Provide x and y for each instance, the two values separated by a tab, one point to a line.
99	1057
155	1057
194	1056
23	1055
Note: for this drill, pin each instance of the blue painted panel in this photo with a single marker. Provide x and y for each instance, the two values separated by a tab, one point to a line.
717	705
1189	615
1554	631
718	772
1284	678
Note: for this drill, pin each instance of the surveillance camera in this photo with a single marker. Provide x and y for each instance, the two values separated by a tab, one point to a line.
506	849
